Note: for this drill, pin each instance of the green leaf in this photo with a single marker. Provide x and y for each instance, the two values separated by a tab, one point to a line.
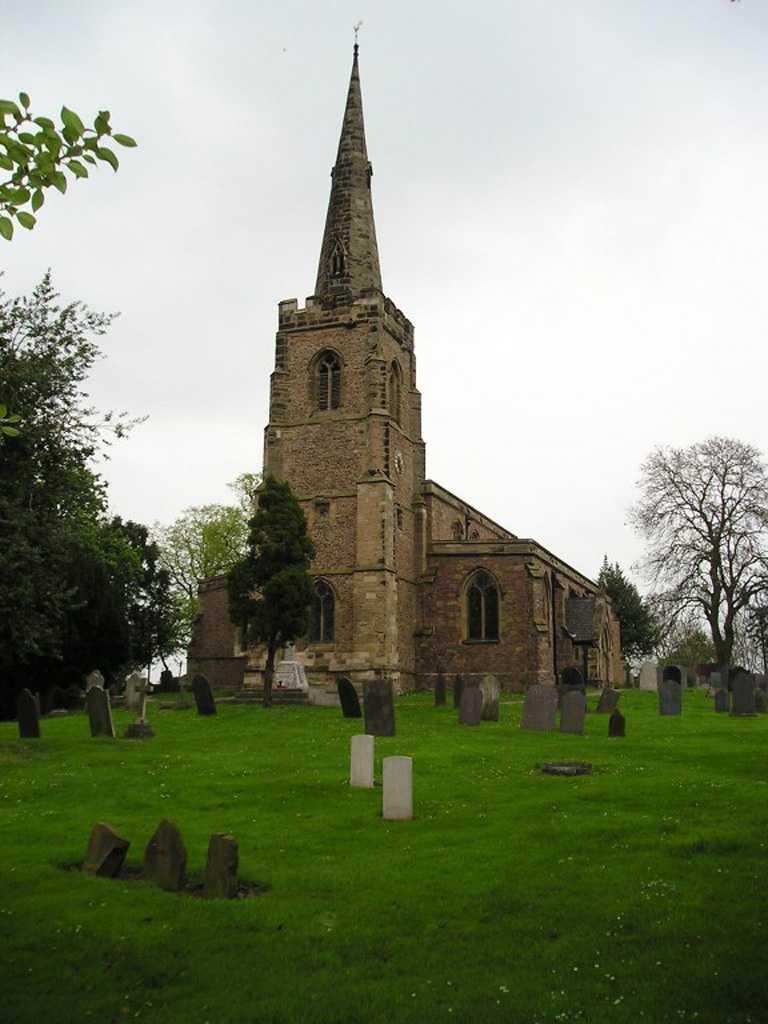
124	140
26	220
89	158
9	107
70	119
19	196
77	168
59	181
70	134
44	122
10	431
38	198
106	154
24	100
6	228
5	162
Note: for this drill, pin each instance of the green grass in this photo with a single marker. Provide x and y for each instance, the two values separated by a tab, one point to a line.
636	894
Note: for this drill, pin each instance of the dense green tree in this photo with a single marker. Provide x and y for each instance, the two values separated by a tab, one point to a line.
689	644
34	153
639	631
270	590
703	512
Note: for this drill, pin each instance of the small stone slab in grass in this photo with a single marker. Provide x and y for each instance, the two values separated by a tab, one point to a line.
106	851
221	867
568	768
139	731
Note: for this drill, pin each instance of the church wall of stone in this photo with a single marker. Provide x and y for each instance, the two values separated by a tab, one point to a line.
446	513
213	647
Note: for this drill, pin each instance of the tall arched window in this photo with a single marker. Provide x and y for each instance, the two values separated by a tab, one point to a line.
321	615
395	388
482	607
328	381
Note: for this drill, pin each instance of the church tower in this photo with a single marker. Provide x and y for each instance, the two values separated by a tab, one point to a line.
345	431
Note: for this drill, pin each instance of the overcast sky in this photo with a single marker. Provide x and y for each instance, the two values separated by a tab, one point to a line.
570	201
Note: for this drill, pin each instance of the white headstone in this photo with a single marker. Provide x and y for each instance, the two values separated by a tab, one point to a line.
648	676
290	675
398	788
361	762
133	684
95	678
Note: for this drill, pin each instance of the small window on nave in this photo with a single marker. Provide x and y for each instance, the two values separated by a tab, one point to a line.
457	530
321	615
482	607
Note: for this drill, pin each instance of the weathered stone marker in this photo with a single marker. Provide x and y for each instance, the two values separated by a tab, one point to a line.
165	858
106	851
99	712
722	700
94	678
361	762
573	710
379	705
201	688
608	702
348	698
458	689
440	690
132	690
471	707
648	676
540	708
670	697
570	679
617	724
491	691
398	788
221	867
742	693
28	715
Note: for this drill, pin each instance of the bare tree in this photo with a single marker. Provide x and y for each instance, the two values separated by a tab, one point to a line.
704	516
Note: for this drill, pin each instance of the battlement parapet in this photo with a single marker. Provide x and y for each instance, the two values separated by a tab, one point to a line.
367	309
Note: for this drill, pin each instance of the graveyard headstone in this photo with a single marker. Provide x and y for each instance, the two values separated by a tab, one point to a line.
201	688
28	716
440	690
132	690
573	710
379	707
540	707
742	693
471	707
397	774
221	867
608	701
617	724
361	762
722	700
106	851
99	712
94	678
648	677
491	691
571	679
670	697
674	672
165	858
760	701
458	689
350	702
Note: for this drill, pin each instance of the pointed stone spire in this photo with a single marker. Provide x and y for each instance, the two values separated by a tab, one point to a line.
349	258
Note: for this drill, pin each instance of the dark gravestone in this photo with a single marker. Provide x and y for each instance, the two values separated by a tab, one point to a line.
670	697
471	707
573	709
221	867
571	679
458	689
540	708
165	858
106	851
379	706
440	690
99	712
28	716
617	724
348	698
742	693
608	702
760	701
491	691
201	688
674	672
722	699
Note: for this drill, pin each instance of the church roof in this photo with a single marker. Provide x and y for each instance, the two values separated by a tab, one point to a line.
349	257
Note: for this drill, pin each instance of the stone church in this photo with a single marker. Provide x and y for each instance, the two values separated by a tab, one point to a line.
410	580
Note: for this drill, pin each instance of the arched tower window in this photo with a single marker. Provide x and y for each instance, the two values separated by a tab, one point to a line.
457	530
338	260
327	381
395	389
482	607
321	615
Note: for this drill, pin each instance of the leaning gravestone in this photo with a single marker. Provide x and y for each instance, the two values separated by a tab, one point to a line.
203	693
471	707
573	710
106	851
379	706
540	708
348	698
608	702
221	867
617	724
458	689
670	697
94	678
440	690
491	691
742	693
722	699
28	715
648	678
99	712
165	858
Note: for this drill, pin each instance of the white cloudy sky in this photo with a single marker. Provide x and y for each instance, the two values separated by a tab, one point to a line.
571	204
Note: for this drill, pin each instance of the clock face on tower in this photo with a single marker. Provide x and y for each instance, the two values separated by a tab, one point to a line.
398	462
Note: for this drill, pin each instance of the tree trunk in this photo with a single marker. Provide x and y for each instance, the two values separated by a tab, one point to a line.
269	672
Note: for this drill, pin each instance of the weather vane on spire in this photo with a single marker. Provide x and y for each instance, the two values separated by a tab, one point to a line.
357	29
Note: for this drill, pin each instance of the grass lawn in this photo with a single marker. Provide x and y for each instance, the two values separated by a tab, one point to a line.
635	894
